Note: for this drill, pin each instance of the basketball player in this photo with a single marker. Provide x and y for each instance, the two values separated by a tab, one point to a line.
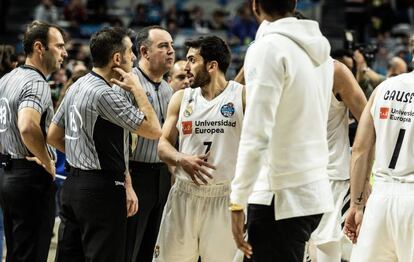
207	119
384	231
346	96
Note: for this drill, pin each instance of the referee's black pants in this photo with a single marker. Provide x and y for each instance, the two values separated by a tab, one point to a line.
152	183
28	201
278	240
93	217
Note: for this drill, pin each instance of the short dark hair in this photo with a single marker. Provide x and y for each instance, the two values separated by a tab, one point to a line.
212	48
7	58
37	31
278	7
105	43
142	37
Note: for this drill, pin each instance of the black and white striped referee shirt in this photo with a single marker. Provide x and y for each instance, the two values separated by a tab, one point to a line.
97	119
159	95
21	88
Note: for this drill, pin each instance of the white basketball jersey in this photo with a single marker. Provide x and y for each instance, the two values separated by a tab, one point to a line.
393	114
338	141
213	126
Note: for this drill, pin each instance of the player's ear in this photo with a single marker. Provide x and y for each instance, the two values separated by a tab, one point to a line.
117	58
212	65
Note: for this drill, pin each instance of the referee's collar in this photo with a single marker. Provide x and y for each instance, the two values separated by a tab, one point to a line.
156	84
99	76
34	69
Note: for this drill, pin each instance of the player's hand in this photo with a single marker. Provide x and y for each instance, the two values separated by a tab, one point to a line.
195	167
131	201
127	81
49	167
238	229
353	222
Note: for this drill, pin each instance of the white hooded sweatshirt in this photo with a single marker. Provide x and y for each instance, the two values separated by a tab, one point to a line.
283	150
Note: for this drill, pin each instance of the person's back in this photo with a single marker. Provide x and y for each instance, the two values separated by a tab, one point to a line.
393	112
281	170
298	145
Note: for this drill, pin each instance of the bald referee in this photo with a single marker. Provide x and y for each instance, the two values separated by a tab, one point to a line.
150	177
91	126
27	188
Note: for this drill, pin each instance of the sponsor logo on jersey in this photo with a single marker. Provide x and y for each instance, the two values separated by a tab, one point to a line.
187	127
227	110
384	112
399	96
150	99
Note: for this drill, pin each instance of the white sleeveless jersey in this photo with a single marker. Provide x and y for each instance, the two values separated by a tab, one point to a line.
338	141
213	126
393	115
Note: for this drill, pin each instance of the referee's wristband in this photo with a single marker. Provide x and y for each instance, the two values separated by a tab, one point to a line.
235	207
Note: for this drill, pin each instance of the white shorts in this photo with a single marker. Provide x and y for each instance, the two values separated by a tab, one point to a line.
387	230
330	227
196	222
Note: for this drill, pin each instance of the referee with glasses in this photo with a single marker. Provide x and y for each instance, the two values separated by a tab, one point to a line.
91	126
150	177
27	166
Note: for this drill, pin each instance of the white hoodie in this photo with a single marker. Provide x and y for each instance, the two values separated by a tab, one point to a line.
283	147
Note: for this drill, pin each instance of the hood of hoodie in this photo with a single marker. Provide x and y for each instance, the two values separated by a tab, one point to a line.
305	33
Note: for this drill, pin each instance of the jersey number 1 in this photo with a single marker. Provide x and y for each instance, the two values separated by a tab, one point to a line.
397	149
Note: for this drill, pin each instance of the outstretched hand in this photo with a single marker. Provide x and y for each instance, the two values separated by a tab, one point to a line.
194	166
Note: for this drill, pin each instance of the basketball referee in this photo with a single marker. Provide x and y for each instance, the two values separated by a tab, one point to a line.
150	177
26	110
91	126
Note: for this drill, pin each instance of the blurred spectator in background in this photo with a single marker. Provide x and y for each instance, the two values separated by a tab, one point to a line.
155	10
218	20
139	18
198	22
177	76
8	60
46	12
244	26
396	66
75	13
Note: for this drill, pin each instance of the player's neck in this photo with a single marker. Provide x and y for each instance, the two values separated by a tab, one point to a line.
214	88
154	75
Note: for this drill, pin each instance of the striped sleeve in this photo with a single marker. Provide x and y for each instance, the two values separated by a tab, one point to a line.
36	95
59	117
115	108
126	94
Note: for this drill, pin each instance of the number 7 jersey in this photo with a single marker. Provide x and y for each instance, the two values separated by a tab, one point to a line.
212	126
393	115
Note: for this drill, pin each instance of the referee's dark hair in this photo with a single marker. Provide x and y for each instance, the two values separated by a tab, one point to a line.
212	48
279	7
105	43
37	31
143	39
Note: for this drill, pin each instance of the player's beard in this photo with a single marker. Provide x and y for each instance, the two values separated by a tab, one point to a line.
201	79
